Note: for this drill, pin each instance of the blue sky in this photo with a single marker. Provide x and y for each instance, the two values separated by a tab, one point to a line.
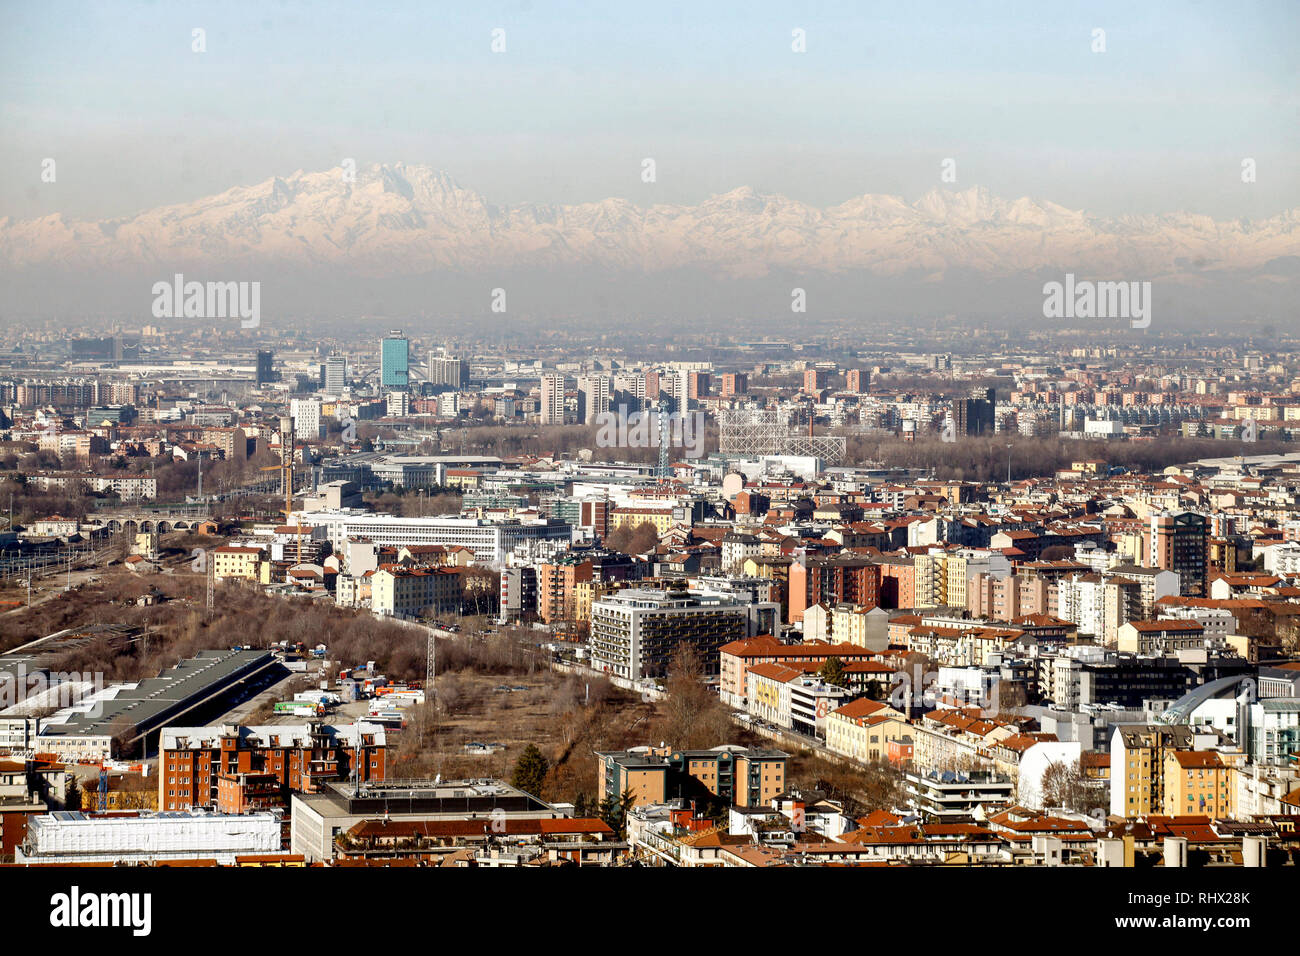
712	91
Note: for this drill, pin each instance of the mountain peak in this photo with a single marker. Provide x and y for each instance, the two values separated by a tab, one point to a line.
403	219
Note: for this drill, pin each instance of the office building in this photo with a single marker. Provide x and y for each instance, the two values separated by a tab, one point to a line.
394	362
306	415
491	541
334	379
974	416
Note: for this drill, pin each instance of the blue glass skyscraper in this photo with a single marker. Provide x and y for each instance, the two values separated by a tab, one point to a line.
394	362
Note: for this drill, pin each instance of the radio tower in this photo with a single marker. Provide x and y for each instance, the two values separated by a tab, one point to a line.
663	439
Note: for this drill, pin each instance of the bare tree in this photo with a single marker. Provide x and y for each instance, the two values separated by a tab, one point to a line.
692	716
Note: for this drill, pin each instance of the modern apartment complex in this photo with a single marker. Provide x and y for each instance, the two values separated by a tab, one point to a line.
634	633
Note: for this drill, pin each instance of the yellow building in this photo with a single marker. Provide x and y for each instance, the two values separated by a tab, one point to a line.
863	729
243	564
774	567
1150	765
584	592
849	624
412	592
953	581
1198	782
661	519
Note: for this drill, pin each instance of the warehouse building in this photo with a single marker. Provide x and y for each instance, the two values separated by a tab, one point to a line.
74	837
126	719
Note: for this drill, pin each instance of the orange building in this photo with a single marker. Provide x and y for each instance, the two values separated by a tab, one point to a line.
835	579
246	766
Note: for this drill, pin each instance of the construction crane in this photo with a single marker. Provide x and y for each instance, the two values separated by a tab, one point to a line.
285	468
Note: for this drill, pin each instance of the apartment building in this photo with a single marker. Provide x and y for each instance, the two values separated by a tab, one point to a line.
414	592
237	768
552	405
635	632
792	697
864	729
1199	783
1138	764
558	581
736	658
235	562
661	519
1179	543
740	776
834	579
1160	637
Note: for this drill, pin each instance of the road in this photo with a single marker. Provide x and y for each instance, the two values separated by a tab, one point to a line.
280	690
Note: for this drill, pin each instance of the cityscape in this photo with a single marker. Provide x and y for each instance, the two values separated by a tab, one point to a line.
354	521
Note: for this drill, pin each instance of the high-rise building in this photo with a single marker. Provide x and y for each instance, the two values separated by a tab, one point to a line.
306	415
335	376
552	411
652	386
697	385
593	397
445	370
394	362
814	380
856	380
1179	543
629	390
734	383
973	416
264	362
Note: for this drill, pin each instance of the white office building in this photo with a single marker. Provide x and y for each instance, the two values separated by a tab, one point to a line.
491	541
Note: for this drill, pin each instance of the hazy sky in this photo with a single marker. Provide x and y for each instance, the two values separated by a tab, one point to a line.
712	91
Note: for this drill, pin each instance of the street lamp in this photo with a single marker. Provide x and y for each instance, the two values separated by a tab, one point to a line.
1008	465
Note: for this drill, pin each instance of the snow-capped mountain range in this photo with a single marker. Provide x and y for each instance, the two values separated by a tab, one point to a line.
394	220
